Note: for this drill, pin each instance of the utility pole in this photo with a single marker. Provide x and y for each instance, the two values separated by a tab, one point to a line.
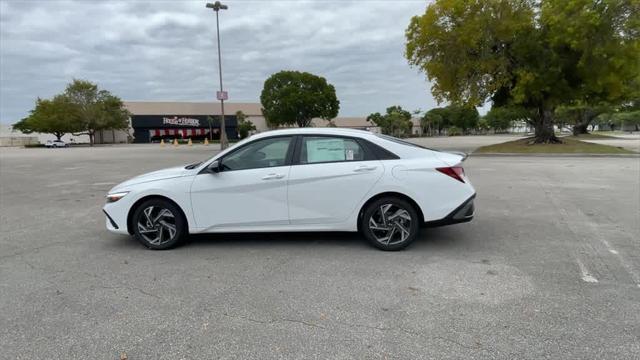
221	95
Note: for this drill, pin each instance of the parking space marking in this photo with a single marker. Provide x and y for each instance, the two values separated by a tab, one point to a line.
586	276
626	265
66	183
595	231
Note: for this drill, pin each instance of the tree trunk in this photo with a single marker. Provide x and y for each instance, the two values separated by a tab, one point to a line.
580	129
91	137
543	125
58	135
586	117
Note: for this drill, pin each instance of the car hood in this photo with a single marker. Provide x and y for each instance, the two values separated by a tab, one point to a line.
163	174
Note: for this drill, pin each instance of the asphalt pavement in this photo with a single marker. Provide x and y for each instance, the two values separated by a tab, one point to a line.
549	268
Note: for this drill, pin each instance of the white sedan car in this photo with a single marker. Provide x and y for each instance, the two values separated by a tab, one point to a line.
298	180
55	144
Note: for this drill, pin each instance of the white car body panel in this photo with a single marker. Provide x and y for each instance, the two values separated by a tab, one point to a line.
330	192
302	197
252	198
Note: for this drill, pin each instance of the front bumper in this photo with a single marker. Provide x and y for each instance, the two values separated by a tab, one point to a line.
461	214
113	226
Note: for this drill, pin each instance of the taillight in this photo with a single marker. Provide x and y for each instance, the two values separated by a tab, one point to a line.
456	172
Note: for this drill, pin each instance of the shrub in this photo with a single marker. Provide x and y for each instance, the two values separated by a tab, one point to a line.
454	131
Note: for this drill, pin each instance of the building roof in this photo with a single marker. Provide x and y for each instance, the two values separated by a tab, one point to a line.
190	108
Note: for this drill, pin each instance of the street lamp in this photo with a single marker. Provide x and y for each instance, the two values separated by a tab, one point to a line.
217	6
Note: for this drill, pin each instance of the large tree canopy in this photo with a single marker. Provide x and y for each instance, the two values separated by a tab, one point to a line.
98	109
532	54
396	121
502	118
57	116
80	109
463	117
295	98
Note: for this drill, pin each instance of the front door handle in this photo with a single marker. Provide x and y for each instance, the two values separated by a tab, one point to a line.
364	168
272	176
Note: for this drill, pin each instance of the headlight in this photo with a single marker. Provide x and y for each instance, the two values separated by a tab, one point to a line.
115	196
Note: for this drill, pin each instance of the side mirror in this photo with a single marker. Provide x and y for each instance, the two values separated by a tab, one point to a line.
215	167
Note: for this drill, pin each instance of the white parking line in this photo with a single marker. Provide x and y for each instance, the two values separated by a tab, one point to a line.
586	276
66	183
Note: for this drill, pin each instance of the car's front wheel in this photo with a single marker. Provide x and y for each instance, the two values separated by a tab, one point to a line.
390	223
159	224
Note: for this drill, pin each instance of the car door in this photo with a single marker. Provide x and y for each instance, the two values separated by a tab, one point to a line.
250	190
330	177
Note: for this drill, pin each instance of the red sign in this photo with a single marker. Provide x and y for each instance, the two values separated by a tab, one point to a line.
222	95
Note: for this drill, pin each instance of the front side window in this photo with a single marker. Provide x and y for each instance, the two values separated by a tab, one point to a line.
323	149
259	154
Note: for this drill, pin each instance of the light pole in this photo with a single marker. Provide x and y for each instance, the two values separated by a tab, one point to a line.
217	6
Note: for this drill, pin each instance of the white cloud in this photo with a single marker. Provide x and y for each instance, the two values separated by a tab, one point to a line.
165	50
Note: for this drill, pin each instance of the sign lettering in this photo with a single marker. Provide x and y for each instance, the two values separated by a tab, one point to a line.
180	121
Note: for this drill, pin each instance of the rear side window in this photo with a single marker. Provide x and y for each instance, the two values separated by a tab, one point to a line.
322	149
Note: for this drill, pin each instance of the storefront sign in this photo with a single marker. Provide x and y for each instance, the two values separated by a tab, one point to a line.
180	121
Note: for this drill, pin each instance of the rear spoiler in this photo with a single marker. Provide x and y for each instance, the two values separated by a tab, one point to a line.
460	153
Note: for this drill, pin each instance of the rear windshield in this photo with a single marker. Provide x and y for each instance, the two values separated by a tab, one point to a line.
402	142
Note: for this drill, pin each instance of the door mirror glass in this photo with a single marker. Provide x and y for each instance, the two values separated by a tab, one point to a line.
215	167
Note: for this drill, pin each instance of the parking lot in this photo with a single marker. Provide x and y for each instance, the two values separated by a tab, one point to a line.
549	268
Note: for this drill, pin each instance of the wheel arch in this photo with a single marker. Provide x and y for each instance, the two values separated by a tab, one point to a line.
391	194
135	205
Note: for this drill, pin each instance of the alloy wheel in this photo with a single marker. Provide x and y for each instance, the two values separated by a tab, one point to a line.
157	225
390	224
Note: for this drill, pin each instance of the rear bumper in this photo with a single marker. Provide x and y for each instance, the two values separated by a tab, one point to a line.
463	213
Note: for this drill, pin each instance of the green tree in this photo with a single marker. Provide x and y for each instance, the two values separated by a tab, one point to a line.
396	121
627	118
435	119
295	98
57	116
580	116
537	55
97	109
244	125
463	117
483	125
500	119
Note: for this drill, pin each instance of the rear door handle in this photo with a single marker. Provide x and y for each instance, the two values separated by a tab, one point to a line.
272	176
364	168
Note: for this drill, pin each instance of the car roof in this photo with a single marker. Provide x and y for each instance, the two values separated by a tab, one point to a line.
312	131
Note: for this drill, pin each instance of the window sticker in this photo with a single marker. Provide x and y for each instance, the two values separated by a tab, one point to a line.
323	150
349	154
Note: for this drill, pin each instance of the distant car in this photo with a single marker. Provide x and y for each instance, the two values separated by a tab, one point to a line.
55	144
298	180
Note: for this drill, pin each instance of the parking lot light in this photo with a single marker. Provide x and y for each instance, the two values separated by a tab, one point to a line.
217	6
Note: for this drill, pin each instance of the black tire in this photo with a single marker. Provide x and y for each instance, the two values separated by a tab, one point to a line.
397	227
163	224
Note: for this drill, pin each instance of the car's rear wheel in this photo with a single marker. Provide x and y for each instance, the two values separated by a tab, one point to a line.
159	224
390	223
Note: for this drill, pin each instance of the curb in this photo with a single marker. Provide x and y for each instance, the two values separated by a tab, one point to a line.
636	156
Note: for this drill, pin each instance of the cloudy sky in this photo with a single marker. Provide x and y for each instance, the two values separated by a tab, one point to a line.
165	50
